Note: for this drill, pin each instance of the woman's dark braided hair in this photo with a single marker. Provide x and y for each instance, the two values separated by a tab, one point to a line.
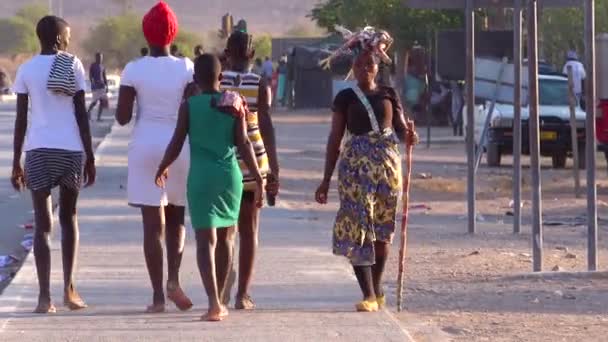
241	43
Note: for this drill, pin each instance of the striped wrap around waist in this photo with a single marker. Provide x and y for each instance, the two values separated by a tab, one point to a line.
255	137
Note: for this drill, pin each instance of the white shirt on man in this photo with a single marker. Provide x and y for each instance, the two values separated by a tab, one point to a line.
578	75
52	120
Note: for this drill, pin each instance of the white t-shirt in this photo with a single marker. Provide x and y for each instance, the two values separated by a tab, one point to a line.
52	121
578	75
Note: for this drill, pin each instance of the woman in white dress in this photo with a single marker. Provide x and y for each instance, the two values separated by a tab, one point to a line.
157	83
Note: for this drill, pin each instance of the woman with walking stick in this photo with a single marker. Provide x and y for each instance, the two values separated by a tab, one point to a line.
369	170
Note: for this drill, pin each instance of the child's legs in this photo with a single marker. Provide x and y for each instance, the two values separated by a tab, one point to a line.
69	235
41	200
248	234
224	254
153	221
175	236
206	240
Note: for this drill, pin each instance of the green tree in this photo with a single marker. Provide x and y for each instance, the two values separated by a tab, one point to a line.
120	38
186	41
406	25
263	46
32	13
18	36
563	29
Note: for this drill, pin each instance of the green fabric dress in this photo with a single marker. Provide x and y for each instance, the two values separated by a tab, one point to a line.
215	181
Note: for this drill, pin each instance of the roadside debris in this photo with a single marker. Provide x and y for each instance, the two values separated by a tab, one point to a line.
424	176
420	207
7	260
27	244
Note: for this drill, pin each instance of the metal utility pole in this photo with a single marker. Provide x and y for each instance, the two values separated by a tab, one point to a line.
517	57
470	79
537	227
590	135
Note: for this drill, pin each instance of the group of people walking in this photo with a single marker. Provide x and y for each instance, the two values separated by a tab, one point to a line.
204	136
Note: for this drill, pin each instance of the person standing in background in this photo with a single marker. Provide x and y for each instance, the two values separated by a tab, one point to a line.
282	81
198	51
267	70
175	51
578	74
99	85
5	82
257	67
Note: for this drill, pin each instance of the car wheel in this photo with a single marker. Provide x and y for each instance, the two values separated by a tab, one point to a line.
582	157
559	160
493	155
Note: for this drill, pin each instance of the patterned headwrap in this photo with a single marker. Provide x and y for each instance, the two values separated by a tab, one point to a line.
160	25
369	39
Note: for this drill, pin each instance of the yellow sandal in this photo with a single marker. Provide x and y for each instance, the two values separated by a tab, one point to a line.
381	300
367	306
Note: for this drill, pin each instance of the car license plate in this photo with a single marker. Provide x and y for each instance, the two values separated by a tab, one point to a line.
548	135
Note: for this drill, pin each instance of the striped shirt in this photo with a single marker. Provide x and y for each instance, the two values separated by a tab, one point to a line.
248	85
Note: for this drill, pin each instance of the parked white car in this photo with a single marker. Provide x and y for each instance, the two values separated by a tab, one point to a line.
555	133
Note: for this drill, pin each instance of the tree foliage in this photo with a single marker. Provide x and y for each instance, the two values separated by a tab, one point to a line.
263	46
563	29
17	36
32	13
120	38
405	24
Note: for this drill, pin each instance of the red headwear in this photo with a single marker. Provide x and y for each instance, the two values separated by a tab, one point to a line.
160	25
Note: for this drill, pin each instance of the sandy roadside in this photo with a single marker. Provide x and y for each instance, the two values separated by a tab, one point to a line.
455	285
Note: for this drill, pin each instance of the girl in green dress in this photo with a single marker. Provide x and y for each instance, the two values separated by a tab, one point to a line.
215	124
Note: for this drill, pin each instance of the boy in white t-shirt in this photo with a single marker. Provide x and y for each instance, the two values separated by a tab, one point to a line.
58	150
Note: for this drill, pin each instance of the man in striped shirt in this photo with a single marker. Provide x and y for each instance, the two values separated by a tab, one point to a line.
239	54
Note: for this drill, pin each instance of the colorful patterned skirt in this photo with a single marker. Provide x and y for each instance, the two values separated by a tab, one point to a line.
370	183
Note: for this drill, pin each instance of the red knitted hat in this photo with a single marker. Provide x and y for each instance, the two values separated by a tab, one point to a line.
160	25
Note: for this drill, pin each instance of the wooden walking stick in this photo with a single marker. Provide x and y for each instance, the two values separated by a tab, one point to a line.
409	147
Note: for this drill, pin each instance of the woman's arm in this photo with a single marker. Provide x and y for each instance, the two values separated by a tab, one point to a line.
177	141
245	147
126	100
338	125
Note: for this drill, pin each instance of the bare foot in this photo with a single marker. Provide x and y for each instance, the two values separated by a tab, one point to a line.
244	302
73	301
177	296
213	315
224	313
45	307
156	308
